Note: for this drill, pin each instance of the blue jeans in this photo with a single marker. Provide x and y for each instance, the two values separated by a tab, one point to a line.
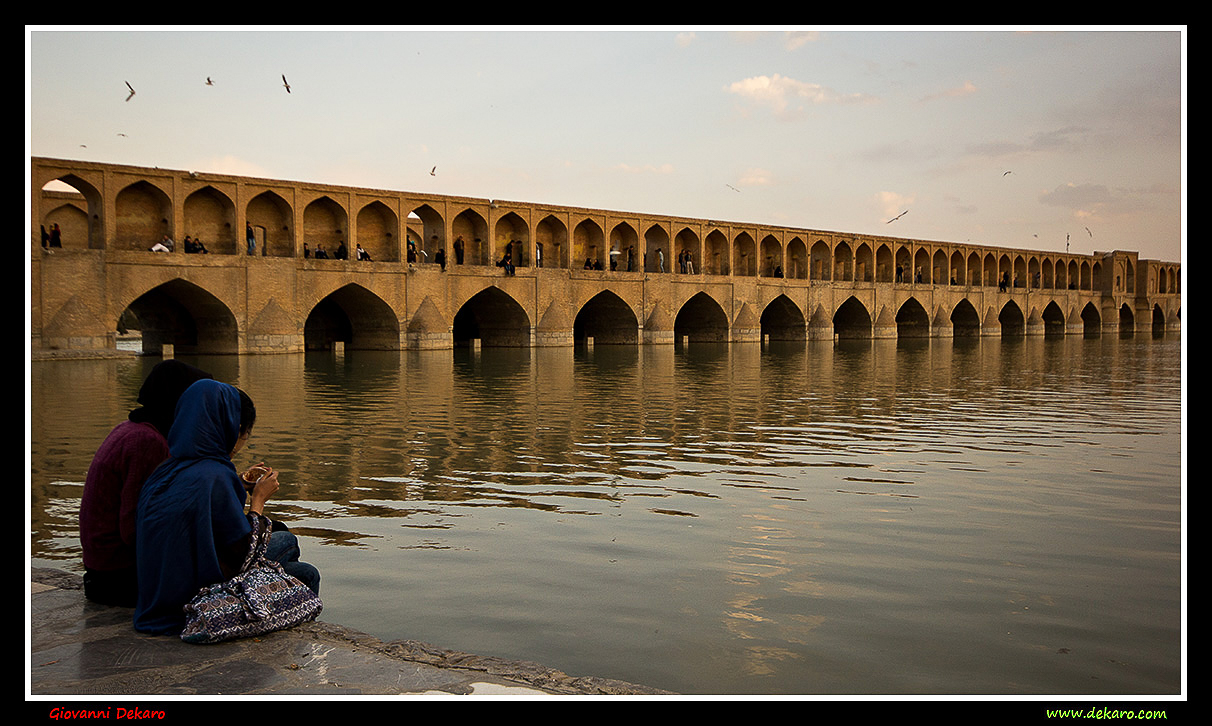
284	549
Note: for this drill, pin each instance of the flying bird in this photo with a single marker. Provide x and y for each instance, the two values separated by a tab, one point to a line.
732	187
209	82
132	90
431	171
897	217
1089	232
1008	172
284	83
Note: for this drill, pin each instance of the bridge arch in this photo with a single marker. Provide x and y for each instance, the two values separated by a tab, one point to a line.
771	258
511	235
589	245
473	228
656	237
377	231
715	258
1127	320
744	255
185	315
965	321
607	319
783	320
354	316
623	240
143	212
797	259
852	320
494	318
1054	319
701	319
551	243
78	217
271	218
325	224
912	320
1012	320
210	216
843	262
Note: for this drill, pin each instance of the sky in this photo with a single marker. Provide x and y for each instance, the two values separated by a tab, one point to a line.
1025	137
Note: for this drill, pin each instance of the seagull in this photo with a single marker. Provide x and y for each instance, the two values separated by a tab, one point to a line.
132	90
897	217
732	187
1089	232
1009	172
284	83
431	171
209	82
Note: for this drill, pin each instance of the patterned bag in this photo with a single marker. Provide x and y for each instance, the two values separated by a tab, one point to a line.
260	599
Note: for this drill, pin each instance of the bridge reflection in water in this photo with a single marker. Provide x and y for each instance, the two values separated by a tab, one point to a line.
431	274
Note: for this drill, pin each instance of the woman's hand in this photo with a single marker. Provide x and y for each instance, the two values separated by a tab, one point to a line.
262	491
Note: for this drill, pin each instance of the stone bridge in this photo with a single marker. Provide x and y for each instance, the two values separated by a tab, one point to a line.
578	274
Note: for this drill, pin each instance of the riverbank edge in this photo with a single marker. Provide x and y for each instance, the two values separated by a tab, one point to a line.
467	667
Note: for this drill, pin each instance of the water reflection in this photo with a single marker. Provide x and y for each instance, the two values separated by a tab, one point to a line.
927	516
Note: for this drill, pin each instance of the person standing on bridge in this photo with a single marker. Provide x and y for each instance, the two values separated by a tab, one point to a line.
458	249
250	238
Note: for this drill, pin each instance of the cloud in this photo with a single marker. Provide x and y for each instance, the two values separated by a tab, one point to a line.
892	203
756	178
683	39
779	93
793	39
1078	197
965	90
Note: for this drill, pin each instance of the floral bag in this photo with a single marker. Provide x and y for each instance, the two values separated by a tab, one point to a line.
260	599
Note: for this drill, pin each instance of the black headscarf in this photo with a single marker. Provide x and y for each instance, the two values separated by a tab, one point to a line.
159	394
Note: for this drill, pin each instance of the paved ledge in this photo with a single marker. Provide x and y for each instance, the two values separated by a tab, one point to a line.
78	647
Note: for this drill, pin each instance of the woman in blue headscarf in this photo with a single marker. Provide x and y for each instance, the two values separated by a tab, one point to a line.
192	530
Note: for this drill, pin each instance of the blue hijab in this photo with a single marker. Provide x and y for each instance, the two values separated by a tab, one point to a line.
191	504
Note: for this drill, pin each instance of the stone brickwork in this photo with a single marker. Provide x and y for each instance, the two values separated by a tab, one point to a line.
745	282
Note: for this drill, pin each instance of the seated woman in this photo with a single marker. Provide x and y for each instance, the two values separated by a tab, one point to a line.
133	449
192	529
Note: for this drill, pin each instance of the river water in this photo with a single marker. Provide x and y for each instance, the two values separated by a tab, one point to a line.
969	517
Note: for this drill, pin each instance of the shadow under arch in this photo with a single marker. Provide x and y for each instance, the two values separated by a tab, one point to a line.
701	319
783	320
608	320
852	320
354	316
494	318
186	316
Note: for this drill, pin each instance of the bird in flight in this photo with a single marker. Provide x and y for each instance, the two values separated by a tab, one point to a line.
432	171
897	217
732	187
1008	172
209	82
1089	232
284	83
132	90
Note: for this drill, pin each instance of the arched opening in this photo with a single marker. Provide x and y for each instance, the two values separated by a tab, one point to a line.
354	316
607	320
143	212
210	217
1054	320
1012	320
965	322
783	320
852	320
701	319
1091	321
185	316
270	217
1127	321
912	320
494	319
71	209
